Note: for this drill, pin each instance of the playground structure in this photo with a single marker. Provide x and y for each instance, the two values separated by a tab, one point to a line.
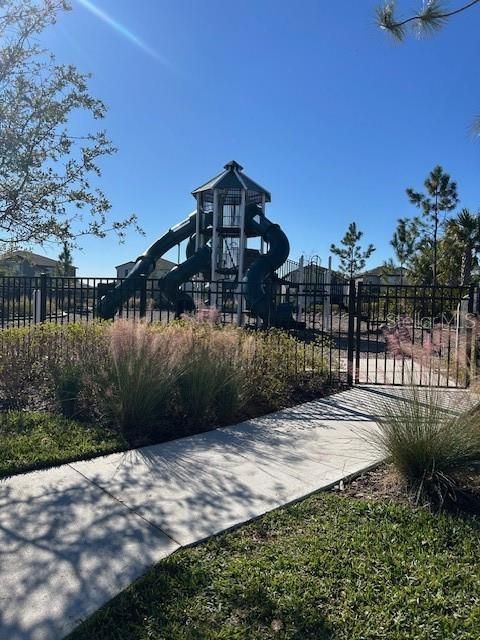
230	212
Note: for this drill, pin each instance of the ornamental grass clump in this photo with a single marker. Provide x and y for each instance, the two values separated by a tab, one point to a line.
433	448
156	381
212	385
138	377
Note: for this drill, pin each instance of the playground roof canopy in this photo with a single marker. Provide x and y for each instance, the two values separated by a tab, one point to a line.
232	177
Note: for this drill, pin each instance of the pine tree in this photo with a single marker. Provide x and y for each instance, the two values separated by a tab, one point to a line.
352	257
65	261
404	242
441	197
433	15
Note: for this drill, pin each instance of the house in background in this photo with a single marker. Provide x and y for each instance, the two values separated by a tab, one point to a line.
162	267
26	263
383	275
315	284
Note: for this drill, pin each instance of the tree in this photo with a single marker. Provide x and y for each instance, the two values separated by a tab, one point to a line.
352	257
404	241
458	250
420	264
65	261
432	16
441	196
462	240
47	170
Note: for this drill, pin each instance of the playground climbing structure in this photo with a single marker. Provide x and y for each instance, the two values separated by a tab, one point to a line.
229	214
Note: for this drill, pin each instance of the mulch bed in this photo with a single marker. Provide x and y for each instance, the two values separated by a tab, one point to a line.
384	483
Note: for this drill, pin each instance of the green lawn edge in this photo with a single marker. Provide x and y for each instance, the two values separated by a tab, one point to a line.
35	440
327	567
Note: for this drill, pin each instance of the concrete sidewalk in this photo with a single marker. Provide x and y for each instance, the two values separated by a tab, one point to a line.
74	536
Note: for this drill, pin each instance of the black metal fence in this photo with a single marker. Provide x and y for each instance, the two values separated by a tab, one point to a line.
421	335
375	334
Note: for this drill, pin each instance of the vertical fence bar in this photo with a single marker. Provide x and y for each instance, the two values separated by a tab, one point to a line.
469	361
43	297
143	297
359	328
351	329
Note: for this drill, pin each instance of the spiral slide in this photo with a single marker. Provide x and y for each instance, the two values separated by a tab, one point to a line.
258	298
113	300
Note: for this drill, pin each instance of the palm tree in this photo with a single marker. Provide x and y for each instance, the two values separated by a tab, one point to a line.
464	232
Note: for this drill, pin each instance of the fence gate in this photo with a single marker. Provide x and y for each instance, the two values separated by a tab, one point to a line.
406	334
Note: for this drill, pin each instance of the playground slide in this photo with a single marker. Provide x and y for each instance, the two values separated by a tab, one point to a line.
257	297
170	284
144	266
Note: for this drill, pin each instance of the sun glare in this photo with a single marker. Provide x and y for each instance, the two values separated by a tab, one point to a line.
122	30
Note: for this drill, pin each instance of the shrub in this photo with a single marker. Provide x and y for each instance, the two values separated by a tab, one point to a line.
430	447
134	376
36	363
21	367
68	381
279	361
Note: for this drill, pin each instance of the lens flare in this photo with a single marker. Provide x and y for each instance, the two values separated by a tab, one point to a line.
121	29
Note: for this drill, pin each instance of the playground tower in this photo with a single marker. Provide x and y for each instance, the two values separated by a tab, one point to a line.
230	210
221	206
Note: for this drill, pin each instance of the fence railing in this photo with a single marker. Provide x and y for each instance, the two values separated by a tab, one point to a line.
379	334
415	334
27	300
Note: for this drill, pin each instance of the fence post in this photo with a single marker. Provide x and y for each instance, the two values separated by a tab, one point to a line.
43	298
351	329
143	295
358	332
469	356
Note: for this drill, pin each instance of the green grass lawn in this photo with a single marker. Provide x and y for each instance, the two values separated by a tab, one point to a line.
328	567
34	440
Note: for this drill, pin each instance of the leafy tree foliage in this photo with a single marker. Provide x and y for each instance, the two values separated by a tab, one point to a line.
47	170
352	257
419	268
456	250
440	197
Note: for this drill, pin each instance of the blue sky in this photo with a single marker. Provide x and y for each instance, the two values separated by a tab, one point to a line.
318	105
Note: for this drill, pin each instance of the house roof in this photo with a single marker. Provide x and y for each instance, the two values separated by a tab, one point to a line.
232	178
161	262
383	270
307	268
34	258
